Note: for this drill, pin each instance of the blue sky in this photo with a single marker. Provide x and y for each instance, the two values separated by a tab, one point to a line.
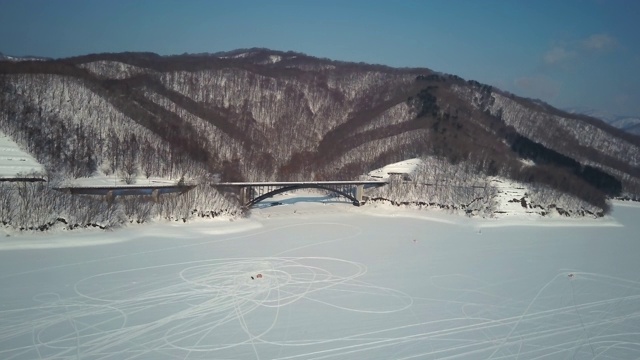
568	53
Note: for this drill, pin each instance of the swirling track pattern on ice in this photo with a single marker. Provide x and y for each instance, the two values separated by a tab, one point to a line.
214	309
305	307
190	307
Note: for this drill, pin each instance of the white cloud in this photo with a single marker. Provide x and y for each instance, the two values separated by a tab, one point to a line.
599	42
557	54
560	54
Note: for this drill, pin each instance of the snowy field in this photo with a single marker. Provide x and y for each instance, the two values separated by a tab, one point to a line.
13	161
330	281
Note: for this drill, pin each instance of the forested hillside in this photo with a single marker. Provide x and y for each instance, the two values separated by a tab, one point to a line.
259	114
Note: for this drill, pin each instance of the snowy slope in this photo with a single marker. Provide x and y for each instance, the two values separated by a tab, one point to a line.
627	123
407	167
494	197
337	282
14	162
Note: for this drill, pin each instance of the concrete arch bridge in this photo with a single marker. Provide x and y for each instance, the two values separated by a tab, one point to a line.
252	193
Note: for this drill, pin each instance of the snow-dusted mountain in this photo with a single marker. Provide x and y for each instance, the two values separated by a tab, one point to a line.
4	57
258	114
629	124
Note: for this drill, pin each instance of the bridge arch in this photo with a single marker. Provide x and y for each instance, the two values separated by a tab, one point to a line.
301	186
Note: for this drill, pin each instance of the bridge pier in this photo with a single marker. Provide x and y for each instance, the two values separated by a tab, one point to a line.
245	193
359	192
109	197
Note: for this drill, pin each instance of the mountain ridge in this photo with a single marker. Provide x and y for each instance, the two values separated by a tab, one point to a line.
260	114
628	123
5	57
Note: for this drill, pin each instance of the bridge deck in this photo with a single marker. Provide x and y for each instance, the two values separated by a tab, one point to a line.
22	179
292	183
125	189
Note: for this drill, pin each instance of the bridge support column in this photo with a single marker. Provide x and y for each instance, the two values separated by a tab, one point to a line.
154	195
359	192
109	197
244	195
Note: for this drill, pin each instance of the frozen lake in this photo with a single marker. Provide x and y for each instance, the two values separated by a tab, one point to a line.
330	281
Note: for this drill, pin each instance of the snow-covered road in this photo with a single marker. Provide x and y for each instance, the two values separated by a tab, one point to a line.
336	282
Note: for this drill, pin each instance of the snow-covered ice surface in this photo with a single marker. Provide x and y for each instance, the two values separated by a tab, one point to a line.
337	282
15	162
